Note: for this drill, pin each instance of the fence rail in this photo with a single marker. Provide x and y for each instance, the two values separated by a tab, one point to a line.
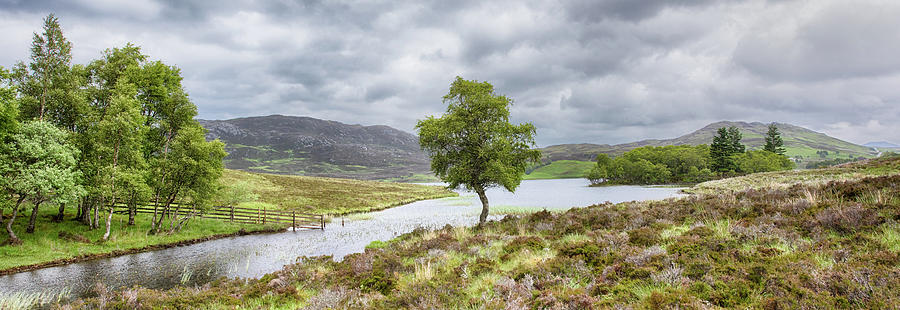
241	215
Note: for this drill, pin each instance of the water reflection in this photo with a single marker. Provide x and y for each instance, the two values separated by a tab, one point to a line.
256	255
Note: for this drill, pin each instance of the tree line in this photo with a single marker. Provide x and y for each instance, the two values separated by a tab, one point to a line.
725	156
119	130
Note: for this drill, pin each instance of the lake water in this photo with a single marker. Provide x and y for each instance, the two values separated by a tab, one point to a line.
256	255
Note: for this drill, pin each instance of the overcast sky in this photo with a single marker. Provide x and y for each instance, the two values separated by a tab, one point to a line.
582	71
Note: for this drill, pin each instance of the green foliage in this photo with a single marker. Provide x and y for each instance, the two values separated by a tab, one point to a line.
473	145
9	108
654	165
39	165
761	161
597	174
49	87
194	167
829	163
774	143
725	145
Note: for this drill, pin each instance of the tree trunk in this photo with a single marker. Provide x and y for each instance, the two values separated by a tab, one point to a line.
112	204
132	210
153	223
43	98
484	206
34	214
166	211
12	236
62	209
109	219
95	223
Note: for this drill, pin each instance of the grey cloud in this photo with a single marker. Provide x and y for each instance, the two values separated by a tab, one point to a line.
592	11
846	40
583	71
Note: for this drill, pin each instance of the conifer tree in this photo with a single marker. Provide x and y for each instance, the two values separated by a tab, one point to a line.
725	145
774	143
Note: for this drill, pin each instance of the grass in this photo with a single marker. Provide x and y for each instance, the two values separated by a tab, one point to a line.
783	179
329	195
561	169
30	301
766	247
46	245
308	194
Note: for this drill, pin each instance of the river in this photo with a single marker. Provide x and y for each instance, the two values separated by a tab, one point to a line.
256	255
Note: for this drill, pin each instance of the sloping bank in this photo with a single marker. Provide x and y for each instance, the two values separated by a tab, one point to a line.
56	244
820	245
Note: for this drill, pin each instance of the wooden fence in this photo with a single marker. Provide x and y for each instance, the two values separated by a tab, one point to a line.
243	215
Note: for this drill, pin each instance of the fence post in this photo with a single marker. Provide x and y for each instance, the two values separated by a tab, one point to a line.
294	220
323	222
232	213
264	216
257	215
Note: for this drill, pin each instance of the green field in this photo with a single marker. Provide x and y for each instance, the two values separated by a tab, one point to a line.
561	169
816	245
328	195
308	194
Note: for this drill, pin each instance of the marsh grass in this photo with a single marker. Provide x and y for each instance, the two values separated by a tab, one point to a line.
518	210
423	271
16	301
330	195
889	236
675	231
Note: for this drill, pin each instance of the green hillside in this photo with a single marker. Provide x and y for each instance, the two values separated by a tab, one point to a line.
802	144
561	169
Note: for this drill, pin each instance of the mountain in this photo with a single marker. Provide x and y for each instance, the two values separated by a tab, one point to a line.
882	145
314	147
802	144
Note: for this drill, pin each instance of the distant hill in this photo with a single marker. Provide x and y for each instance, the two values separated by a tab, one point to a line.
882	145
314	147
801	143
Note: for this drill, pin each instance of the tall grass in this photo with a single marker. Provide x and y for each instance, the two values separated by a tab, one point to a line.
330	195
17	301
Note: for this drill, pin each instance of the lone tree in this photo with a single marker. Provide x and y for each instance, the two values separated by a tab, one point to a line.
774	143
725	145
473	145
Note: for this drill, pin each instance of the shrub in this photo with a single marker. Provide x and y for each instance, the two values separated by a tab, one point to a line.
644	236
377	282
848	219
589	252
525	242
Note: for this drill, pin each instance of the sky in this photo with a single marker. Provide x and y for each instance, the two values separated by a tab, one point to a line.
582	71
